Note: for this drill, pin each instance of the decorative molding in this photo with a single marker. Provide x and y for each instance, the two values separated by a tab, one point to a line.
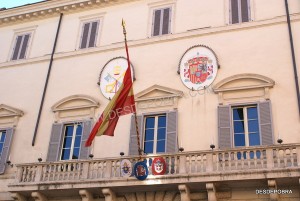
51	8
184	192
158	96
211	192
86	195
18	197
272	184
9	116
37	196
242	86
74	106
109	194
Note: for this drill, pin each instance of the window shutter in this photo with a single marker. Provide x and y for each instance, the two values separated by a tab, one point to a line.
55	142
85	34
133	146
265	123
17	48
172	145
156	25
234	11
24	46
85	151
244	10
166	21
93	34
5	150
224	126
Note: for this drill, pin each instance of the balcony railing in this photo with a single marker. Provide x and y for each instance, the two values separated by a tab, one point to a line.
185	163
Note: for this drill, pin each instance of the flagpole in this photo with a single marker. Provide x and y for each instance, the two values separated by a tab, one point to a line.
135	117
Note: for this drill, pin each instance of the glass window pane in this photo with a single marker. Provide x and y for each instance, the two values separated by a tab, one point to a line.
75	153
239	140
161	146
239	127
252	113
65	154
238	114
77	141
253	126
79	130
149	134
150	122
161	133
67	142
69	130
1	146
254	139
161	121
148	147
2	139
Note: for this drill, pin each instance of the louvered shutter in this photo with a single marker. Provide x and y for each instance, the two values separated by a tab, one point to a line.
224	127
156	22
245	10
55	142
85	35
5	150
17	48
234	10
93	34
166	21
85	151
172	145
133	146
24	46
265	123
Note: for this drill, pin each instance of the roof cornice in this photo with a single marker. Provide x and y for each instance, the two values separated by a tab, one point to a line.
51	8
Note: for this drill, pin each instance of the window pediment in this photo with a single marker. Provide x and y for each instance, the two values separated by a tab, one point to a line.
158	96
243	86
75	106
9	116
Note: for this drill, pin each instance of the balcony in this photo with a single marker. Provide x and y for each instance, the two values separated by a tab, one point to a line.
191	168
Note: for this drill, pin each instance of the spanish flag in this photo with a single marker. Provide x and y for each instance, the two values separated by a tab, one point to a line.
121	104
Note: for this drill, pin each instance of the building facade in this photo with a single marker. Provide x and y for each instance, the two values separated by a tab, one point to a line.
215	85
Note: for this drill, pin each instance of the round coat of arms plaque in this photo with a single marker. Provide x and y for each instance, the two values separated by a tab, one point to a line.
159	166
141	170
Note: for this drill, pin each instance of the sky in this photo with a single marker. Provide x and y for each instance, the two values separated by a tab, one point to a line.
14	3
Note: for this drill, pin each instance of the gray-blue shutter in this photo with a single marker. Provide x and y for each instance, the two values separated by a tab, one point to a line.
133	146
166	21
234	11
85	151
265	123
172	145
55	142
85	35
93	34
224	127
24	46
245	10
17	47
5	150
156	22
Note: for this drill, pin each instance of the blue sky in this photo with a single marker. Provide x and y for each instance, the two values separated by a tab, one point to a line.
14	3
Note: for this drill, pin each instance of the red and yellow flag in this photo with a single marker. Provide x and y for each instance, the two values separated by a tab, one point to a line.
121	104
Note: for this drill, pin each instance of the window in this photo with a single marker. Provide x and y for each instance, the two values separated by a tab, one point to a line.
67	141
239	11
21	46
155	134
71	142
158	133
2	140
245	126
161	21
89	34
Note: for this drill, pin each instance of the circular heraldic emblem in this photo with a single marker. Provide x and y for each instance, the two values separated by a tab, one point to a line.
198	67
112	75
159	166
141	170
126	168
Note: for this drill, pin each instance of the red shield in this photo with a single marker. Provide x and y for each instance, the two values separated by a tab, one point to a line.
198	69
159	166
